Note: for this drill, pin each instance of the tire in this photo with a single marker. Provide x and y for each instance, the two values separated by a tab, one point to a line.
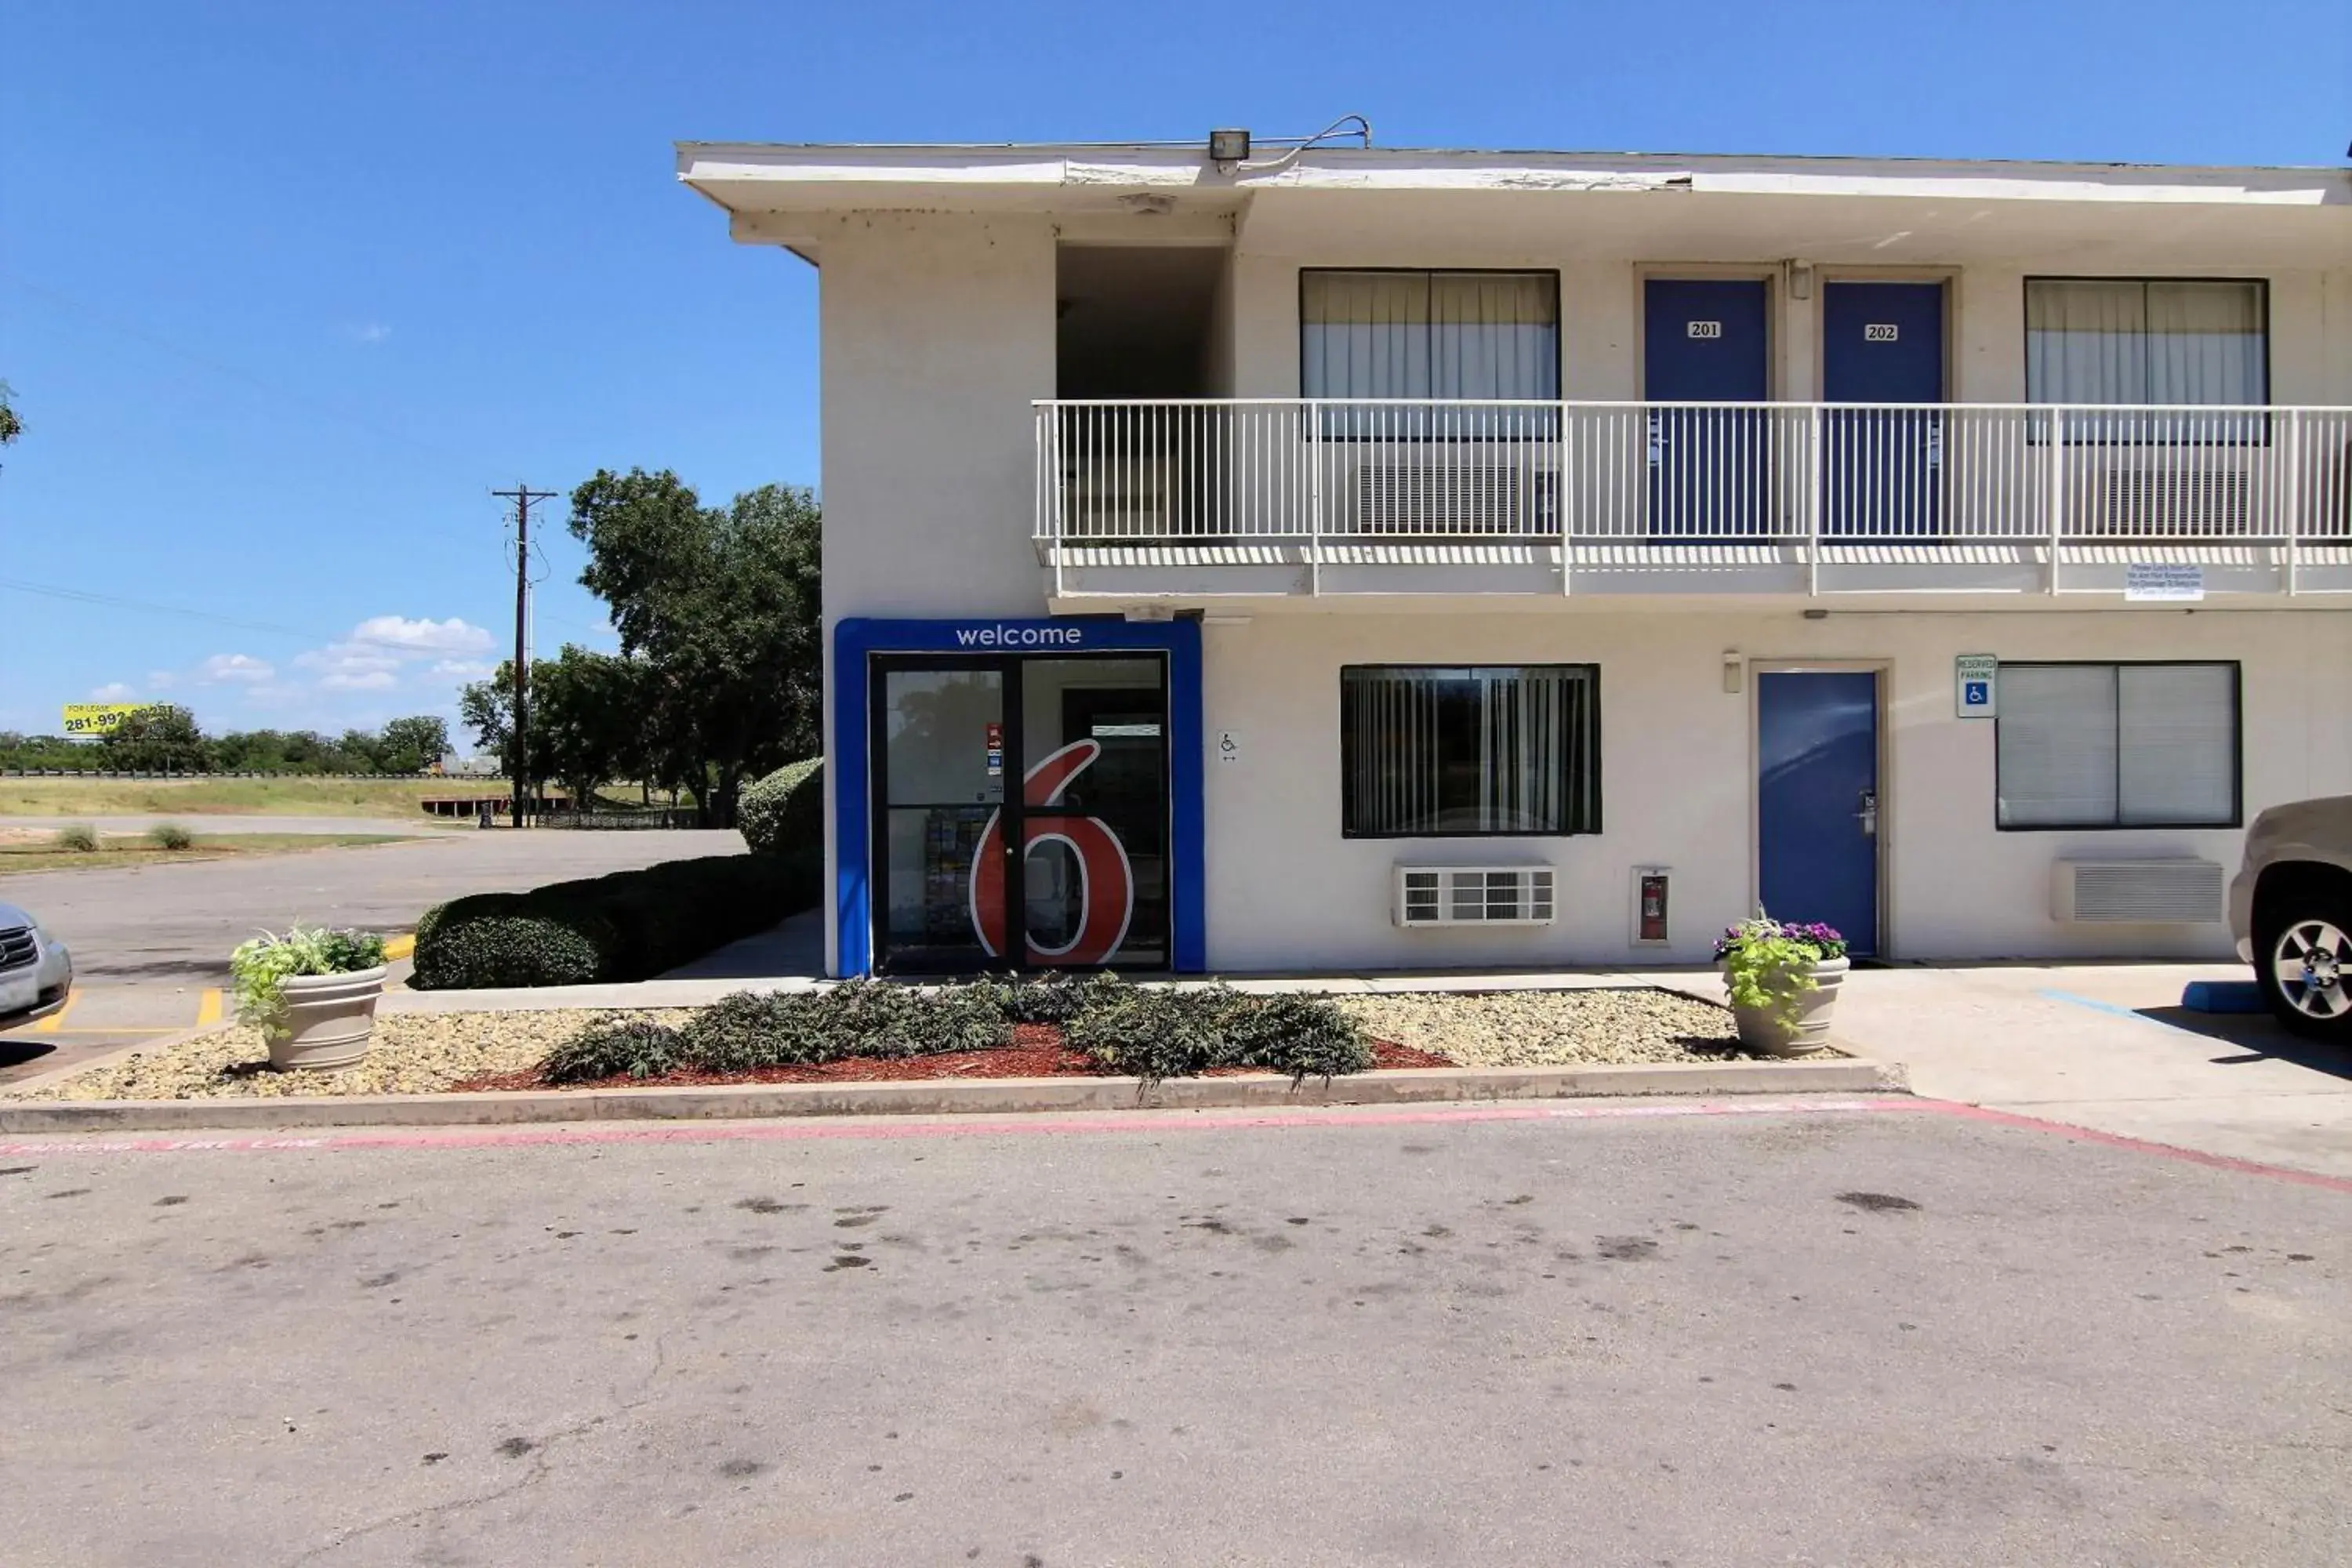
2303	961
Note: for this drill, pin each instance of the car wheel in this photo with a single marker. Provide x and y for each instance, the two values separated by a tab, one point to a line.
2305	966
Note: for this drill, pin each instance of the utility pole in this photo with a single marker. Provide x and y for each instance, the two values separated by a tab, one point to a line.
522	496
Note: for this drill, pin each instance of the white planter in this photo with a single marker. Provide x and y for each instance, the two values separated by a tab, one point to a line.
328	1020
1769	1032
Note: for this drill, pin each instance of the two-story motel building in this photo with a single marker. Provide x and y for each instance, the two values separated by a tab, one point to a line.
1341	558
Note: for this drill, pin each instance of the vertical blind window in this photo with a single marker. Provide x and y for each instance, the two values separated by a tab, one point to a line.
1464	751
1428	334
2117	745
2115	341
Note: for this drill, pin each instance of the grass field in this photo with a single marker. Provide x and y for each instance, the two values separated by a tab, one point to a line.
40	853
283	797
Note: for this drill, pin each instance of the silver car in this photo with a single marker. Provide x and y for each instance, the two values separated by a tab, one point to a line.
2291	911
36	969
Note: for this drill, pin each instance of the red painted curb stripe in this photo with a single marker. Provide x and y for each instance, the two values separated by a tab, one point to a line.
1050	1123
2140	1145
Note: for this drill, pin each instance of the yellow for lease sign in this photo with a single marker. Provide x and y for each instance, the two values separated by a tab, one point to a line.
99	718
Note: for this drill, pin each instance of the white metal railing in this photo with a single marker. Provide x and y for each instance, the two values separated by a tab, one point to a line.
1315	470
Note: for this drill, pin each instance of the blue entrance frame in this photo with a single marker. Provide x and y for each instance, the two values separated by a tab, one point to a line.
856	639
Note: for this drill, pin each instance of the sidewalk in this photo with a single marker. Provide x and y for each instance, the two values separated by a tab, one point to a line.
2109	1046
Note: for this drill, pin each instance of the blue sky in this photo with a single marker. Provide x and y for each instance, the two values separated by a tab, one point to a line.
287	289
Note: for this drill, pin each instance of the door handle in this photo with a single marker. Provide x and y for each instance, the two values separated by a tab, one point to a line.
1866	813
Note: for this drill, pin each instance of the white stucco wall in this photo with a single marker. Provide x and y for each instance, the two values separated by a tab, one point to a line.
1285	889
938	330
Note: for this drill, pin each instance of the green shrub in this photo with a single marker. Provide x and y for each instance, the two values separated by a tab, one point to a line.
630	925
78	837
171	836
785	811
857	1018
1057	996
610	1048
1304	1036
747	1031
1153	1034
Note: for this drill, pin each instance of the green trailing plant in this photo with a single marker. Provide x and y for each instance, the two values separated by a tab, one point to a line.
616	1047
78	837
1304	1036
171	836
1769	966
261	966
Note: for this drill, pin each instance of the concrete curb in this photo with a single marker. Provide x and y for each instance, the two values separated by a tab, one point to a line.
934	1097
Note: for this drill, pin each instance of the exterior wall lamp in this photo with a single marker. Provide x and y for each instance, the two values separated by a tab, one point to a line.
1229	149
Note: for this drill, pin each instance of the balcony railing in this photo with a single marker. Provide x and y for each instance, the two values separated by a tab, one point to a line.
1129	488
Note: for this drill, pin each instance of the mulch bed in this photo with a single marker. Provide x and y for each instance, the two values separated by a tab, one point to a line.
1037	1051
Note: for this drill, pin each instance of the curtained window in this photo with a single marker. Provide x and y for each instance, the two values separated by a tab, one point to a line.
1458	335
1460	752
2117	745
2117	341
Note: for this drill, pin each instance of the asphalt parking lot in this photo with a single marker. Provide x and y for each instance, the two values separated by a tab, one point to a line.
150	943
1679	1335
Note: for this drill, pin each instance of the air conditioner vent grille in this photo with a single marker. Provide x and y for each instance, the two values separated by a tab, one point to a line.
1474	895
2137	892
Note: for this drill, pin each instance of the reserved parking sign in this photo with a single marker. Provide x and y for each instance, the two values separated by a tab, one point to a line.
1975	676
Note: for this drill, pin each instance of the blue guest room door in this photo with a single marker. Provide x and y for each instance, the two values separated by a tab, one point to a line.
1817	800
1883	469
1704	340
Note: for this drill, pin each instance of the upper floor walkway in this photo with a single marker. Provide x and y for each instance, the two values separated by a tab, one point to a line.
1183	498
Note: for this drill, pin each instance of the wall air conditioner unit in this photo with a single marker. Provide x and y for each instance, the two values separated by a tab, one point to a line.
1474	895
2136	892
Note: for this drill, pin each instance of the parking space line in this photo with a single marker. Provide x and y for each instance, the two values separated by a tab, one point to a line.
56	1020
208	1007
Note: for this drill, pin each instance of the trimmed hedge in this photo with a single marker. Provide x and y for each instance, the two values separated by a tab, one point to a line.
629	925
784	811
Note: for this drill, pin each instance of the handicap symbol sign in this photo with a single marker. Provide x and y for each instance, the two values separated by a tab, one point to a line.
1979	693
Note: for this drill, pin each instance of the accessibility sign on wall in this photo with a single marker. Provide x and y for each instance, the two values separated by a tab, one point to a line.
1975	677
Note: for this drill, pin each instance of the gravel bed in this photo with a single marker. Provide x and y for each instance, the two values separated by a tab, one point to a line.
427	1053
411	1054
1551	1029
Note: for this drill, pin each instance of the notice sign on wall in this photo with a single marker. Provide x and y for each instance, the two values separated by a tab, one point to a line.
996	750
2159	581
1975	676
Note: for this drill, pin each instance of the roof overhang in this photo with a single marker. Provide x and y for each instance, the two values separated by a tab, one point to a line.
1915	209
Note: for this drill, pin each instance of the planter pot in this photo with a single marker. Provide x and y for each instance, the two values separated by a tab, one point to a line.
1764	1031
328	1020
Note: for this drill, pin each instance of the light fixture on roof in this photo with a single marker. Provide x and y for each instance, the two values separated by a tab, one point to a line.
1229	149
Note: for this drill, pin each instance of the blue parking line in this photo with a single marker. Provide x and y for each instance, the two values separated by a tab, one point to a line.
2115	1009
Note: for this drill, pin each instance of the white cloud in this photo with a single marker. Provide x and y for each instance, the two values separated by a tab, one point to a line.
451	636
368	331
113	691
462	670
234	666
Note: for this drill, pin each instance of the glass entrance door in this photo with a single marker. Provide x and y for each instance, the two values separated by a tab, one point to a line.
1021	812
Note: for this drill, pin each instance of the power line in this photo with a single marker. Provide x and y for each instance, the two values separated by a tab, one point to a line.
81	595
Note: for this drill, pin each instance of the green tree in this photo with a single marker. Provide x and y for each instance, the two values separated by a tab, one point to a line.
722	607
162	738
11	426
589	719
413	744
486	708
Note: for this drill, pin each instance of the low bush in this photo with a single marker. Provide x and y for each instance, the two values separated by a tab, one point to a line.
1148	1032
612	1047
629	925
78	837
171	836
785	811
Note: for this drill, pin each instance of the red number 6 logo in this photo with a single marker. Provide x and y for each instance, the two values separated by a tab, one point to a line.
1106	880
